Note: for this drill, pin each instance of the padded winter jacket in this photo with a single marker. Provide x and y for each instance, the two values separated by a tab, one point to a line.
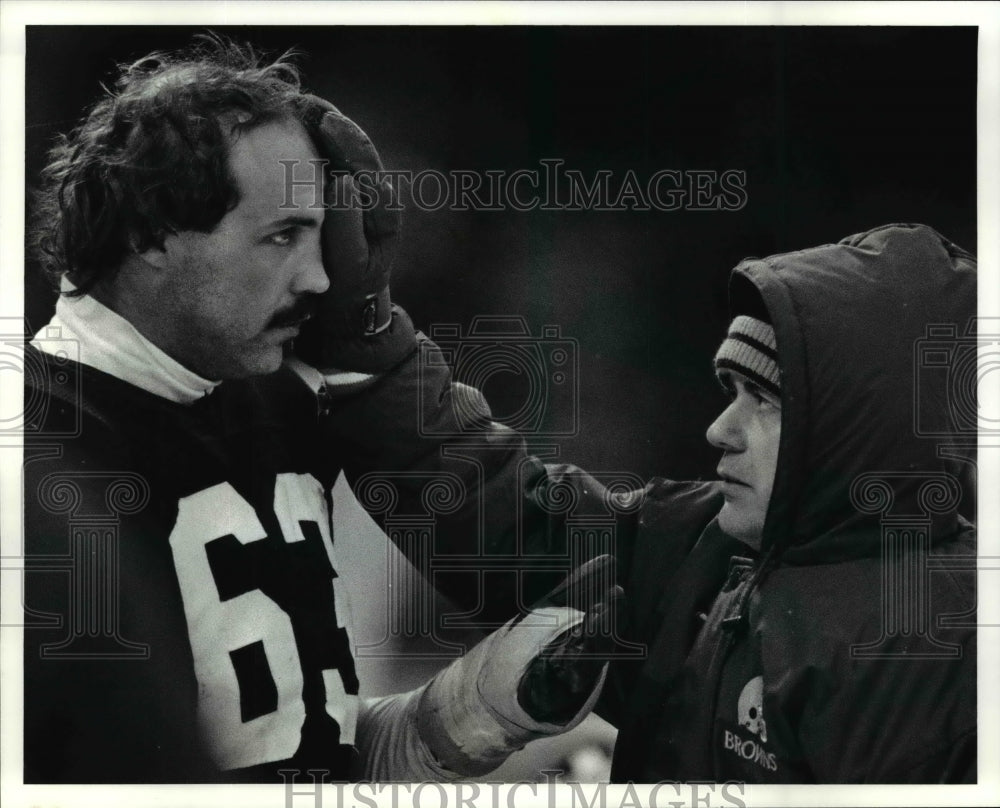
843	651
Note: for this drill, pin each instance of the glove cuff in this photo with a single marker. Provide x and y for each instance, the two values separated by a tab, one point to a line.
469	715
388	344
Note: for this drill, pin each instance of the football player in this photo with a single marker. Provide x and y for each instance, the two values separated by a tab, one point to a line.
181	474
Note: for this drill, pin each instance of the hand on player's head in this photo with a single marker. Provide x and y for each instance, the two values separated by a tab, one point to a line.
357	327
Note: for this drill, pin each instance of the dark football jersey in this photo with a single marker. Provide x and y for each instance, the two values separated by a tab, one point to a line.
183	616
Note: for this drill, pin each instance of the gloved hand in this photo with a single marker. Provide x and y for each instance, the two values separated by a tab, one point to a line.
563	676
539	675
355	327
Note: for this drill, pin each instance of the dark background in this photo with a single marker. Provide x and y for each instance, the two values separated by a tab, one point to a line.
838	130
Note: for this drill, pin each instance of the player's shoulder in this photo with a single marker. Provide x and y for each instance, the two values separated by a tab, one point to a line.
63	399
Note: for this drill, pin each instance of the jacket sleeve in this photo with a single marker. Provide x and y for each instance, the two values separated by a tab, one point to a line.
491	525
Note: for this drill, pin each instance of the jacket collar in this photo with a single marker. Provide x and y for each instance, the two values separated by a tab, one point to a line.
110	343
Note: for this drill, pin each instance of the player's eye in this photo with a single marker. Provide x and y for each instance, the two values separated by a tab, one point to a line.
727	387
283	238
760	397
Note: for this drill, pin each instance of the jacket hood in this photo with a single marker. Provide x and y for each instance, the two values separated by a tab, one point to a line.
877	358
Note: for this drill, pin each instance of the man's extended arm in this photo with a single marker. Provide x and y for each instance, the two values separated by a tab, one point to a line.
507	526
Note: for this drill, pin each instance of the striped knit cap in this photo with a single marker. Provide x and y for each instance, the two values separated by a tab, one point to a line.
750	348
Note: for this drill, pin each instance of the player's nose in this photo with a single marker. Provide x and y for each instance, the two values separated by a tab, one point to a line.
312	277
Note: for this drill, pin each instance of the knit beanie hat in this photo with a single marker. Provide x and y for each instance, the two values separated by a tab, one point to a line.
750	349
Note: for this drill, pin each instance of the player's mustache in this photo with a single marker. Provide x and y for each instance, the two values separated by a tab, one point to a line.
302	309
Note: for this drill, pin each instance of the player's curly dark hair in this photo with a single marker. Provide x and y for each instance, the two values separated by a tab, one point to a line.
150	159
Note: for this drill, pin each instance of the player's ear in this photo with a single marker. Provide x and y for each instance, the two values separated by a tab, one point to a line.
156	255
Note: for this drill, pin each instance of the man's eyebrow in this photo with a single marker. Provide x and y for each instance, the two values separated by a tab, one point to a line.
756	389
293	220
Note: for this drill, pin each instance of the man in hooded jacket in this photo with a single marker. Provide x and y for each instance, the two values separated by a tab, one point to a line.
808	617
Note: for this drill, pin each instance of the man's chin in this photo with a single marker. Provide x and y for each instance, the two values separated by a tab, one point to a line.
259	362
740	526
267	362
